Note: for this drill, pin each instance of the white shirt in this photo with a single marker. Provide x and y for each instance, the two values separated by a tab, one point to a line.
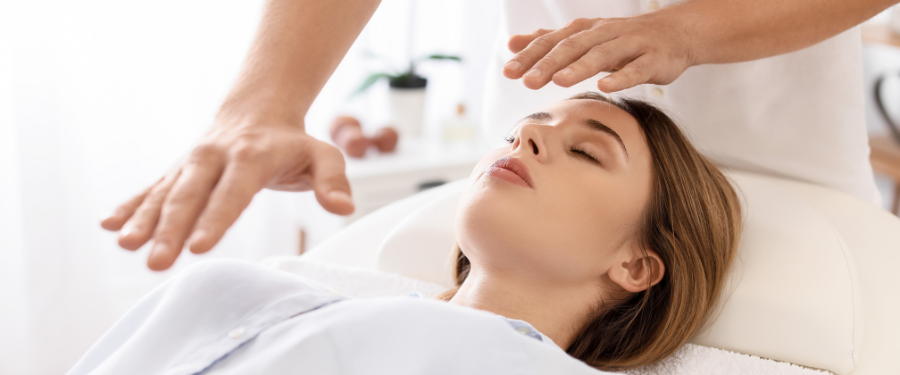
799	115
233	317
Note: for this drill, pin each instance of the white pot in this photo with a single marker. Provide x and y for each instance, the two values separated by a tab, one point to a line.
407	108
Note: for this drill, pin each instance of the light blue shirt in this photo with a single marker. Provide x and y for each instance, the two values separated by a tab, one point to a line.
231	317
520	326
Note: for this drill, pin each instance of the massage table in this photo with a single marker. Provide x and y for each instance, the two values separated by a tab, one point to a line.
814	288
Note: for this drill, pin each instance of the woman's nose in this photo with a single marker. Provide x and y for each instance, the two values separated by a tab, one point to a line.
532	140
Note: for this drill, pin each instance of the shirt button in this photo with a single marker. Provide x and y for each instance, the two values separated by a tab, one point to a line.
236	333
653	5
657	92
523	330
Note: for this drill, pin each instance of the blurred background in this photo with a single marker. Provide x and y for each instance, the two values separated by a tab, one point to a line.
99	98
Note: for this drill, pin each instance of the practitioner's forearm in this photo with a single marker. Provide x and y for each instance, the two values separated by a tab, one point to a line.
726	31
298	46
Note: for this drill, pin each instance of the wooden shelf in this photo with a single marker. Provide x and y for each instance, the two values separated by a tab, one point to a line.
879	33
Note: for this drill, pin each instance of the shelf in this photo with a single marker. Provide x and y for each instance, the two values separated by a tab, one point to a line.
879	33
885	156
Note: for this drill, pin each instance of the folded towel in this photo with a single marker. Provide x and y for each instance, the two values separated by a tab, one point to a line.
693	359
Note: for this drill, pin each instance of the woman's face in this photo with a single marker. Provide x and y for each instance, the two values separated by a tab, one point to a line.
562	198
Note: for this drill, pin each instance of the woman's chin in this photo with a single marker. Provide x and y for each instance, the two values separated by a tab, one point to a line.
492	217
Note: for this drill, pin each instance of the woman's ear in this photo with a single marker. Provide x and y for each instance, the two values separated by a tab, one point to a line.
636	271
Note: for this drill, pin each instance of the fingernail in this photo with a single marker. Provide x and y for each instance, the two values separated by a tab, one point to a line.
534	73
340	196
161	256
565	72
513	65
128	231
197	236
608	80
160	248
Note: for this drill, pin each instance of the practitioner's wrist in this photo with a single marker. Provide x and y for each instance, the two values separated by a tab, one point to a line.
269	106
683	36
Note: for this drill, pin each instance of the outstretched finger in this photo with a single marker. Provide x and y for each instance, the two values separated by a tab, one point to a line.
139	228
180	211
117	219
239	183
563	54
601	58
635	73
518	42
524	60
330	182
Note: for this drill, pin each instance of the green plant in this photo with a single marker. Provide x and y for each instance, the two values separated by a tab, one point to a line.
405	78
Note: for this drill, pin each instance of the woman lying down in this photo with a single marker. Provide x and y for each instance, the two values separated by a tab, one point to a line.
598	239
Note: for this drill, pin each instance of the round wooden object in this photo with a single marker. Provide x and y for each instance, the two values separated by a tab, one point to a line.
385	139
347	135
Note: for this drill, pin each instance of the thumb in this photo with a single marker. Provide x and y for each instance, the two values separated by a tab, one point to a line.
330	182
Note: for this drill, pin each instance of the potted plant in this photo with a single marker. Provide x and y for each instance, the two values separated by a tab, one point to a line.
407	94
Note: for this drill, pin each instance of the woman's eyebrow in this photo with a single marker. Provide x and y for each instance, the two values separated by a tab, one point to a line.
597	125
536	116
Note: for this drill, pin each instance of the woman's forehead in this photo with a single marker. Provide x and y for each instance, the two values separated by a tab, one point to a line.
595	109
577	110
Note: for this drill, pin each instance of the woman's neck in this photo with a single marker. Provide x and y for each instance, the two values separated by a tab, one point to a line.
556	311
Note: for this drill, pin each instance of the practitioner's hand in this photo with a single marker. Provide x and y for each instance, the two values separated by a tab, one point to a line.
204	195
652	48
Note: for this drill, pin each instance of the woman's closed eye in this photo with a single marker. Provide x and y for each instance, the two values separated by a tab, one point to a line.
584	154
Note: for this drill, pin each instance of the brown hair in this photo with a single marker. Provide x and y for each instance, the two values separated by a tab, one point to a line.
692	221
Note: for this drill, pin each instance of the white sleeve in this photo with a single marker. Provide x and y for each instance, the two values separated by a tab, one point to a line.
120	332
199	317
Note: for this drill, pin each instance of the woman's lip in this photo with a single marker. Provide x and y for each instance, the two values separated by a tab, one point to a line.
511	170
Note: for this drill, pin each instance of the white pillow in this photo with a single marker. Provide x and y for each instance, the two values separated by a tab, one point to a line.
794	292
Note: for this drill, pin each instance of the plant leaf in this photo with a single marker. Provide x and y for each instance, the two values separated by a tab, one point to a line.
442	57
401	77
370	80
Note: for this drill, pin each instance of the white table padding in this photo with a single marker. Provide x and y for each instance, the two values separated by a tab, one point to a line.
353	281
795	295
873	237
357	245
